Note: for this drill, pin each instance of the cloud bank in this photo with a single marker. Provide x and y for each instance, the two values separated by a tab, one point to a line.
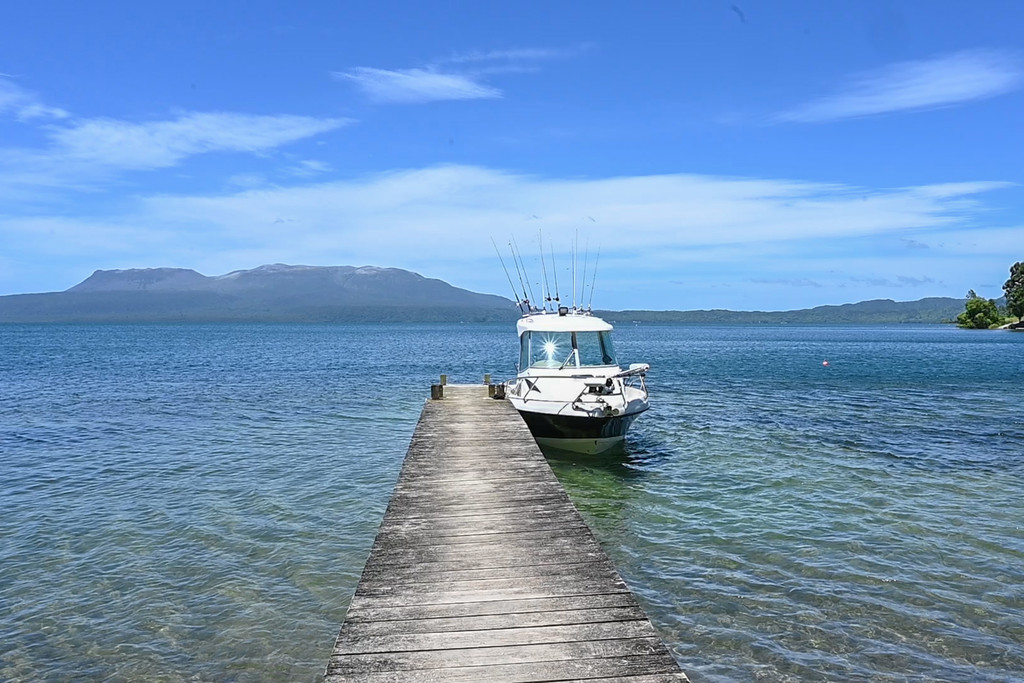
651	229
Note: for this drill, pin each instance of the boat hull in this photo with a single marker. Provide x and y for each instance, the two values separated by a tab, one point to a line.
579	434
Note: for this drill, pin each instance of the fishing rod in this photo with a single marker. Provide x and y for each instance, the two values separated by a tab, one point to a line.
554	271
575	252
519	273
515	294
583	284
594	281
516	252
544	268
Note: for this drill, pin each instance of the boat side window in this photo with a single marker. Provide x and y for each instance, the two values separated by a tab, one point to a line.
595	348
547	349
607	349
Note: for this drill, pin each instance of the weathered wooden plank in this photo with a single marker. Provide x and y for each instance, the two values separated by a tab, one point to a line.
384	596
599	670
524	507
472	526
568	570
573	584
420	574
366	609
473	478
496	637
482	570
506	516
484	656
487	487
476	556
479	554
525	538
488	622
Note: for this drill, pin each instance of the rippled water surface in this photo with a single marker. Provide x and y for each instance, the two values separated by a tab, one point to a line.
196	502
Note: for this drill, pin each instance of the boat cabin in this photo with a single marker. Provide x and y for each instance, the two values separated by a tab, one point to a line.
559	342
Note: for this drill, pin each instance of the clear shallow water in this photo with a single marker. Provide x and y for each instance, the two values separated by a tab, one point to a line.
194	503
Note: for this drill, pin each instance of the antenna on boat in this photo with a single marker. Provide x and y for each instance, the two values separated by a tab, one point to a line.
515	294
544	267
594	280
517	254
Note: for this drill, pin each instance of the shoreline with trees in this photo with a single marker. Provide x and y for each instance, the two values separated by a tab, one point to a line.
984	314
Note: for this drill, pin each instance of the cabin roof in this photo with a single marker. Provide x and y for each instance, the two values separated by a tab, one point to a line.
552	322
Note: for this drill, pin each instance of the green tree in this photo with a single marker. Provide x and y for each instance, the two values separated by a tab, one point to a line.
1014	290
979	313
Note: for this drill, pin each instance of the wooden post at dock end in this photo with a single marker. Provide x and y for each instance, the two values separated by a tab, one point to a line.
436	391
444	380
487	378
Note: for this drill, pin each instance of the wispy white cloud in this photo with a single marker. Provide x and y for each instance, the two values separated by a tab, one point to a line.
897	282
82	152
25	105
521	60
457	77
159	144
924	84
519	54
308	168
788	282
246	180
414	86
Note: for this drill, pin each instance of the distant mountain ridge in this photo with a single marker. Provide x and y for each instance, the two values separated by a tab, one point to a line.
874	312
276	292
287	293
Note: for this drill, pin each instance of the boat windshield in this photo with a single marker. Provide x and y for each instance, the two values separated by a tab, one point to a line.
566	349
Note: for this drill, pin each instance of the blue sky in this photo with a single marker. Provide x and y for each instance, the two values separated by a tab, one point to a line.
743	155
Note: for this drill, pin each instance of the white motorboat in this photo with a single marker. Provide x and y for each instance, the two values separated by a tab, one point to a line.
569	388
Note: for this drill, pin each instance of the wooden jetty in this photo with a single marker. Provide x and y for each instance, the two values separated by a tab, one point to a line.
483	570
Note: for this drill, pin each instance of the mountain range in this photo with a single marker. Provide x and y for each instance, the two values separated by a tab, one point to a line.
284	293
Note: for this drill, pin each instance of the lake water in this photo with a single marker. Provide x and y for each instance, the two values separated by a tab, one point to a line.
196	502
